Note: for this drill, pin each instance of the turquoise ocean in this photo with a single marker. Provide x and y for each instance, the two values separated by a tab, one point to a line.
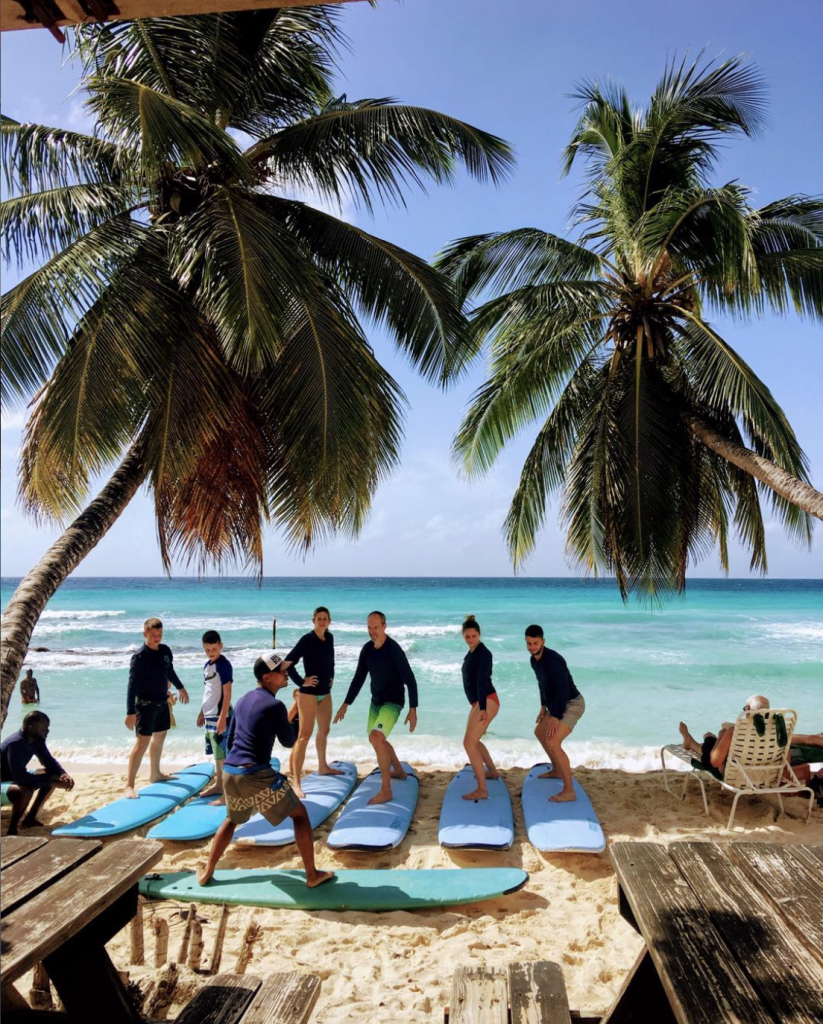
640	670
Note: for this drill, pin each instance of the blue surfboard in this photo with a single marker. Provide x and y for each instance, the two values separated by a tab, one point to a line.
152	802
324	794
197	819
476	824
394	889
365	826
559	828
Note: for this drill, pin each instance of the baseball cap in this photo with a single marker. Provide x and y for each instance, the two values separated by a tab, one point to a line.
269	662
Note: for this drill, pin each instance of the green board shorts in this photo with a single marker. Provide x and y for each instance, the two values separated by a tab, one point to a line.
247	795
216	741
383	717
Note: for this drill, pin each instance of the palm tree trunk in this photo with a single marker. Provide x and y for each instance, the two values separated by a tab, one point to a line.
787	486
67	552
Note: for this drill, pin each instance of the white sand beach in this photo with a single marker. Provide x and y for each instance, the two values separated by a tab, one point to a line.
398	966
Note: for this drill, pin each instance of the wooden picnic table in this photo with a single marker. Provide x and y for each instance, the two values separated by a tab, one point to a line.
61	901
733	932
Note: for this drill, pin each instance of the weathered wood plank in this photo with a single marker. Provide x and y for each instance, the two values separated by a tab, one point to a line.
12	848
284	999
795	890
811	856
224	1000
537	993
44	923
701	980
641	997
790	984
30	875
479	996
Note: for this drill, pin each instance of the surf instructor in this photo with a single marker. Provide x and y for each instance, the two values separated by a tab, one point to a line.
385	661
250	782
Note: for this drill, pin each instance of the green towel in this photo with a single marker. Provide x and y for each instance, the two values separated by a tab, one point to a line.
700	767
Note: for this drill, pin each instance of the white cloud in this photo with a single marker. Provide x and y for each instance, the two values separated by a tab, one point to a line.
12	421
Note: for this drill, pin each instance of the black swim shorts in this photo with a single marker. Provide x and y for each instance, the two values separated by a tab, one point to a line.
152	717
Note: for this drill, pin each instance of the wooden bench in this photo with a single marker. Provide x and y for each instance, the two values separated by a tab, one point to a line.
733	933
243	999
525	993
62	901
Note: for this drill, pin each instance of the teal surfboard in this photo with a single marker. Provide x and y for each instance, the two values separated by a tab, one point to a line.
152	802
365	826
324	794
559	828
392	889
476	824
4	797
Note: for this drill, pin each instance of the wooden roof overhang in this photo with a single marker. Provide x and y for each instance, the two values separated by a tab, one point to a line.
56	14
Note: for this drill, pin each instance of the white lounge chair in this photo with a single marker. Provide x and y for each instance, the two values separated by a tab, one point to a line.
755	765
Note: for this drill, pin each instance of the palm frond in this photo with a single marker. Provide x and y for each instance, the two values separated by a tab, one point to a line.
36	157
377	147
39	313
37	225
390	286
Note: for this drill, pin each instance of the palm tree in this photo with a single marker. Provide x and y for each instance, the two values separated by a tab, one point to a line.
653	428
192	319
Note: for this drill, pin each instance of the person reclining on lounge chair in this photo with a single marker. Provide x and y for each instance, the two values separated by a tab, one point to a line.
714	750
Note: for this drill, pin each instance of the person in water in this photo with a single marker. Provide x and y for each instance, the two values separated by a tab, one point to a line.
29	690
316	649
16	751
215	711
147	703
481	694
561	708
250	783
385	661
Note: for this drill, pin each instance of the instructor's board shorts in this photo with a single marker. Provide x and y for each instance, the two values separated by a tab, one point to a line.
383	717
216	741
573	713
152	717
262	791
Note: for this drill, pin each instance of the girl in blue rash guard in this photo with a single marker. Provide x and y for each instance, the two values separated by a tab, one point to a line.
316	649
477	684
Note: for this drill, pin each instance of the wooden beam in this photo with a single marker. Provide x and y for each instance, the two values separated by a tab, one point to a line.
537	993
13	15
479	996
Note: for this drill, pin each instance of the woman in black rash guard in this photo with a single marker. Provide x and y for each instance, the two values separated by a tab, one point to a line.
316	649
477	684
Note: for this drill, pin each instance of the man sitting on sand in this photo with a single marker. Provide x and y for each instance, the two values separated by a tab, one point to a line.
714	750
29	690
250	783
385	661
147	703
561	707
15	753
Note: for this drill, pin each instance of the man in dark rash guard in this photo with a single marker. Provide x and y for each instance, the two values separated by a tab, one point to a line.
561	707
385	661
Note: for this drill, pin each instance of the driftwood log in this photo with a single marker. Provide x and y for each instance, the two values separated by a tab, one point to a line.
253	933
160	995
161	941
217	952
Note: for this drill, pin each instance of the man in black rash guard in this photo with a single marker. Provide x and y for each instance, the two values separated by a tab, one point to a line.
147	703
561	707
385	661
15	753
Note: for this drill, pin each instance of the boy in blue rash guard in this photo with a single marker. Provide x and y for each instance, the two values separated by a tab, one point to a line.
16	751
561	707
385	661
147	703
316	649
250	783
215	711
481	694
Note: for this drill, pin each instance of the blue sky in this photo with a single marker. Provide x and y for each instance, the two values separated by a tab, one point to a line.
508	69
